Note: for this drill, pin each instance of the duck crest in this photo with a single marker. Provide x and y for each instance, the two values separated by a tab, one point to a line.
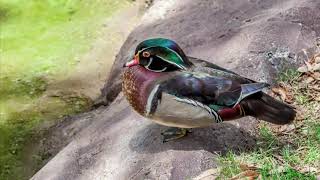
137	85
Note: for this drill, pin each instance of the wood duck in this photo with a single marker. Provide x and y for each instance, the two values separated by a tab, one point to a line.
163	84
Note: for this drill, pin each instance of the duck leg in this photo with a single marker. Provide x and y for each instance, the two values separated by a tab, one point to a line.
174	133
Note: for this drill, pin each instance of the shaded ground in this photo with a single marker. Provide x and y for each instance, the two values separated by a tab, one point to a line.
257	39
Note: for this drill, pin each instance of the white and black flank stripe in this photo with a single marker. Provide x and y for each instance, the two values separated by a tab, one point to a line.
214	114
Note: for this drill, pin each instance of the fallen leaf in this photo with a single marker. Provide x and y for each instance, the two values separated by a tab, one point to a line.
316	67
245	167
287	128
283	128
281	169
279	158
309	66
207	175
308	169
317	59
305	132
303	69
315	87
300	114
282	92
316	76
309	80
250	174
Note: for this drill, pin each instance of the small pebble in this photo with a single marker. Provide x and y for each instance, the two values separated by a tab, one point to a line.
309	80
317	60
316	67
303	69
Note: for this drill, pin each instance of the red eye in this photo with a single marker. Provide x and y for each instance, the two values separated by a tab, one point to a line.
146	54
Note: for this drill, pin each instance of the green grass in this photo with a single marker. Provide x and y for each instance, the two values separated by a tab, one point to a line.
18	131
288	76
273	159
41	41
293	155
45	39
230	165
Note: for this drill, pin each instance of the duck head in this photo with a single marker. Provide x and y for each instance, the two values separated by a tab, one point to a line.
159	55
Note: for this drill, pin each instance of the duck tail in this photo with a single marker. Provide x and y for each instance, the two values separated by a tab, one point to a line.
267	108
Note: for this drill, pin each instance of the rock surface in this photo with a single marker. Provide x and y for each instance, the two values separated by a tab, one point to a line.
254	38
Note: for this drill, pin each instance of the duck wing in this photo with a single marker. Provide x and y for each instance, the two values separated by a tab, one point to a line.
215	70
209	90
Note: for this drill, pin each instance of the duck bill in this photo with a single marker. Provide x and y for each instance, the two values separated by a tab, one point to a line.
133	62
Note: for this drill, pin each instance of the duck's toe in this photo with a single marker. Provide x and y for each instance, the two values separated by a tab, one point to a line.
174	133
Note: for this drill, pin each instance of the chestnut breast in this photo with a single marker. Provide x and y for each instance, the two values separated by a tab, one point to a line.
137	85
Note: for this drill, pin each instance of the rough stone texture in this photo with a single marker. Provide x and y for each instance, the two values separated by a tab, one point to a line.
255	38
119	144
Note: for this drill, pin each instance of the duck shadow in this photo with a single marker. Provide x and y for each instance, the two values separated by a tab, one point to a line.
219	138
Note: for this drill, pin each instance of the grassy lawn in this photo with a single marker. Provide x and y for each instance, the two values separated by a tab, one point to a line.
289	151
40	41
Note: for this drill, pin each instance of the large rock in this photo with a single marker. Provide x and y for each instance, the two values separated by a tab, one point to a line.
255	38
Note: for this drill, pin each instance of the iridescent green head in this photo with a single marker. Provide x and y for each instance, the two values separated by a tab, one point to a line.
159	55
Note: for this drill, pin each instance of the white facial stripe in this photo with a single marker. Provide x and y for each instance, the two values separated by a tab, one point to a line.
147	66
181	67
150	98
162	70
177	55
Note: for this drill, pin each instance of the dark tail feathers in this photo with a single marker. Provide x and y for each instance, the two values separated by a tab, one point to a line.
266	108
